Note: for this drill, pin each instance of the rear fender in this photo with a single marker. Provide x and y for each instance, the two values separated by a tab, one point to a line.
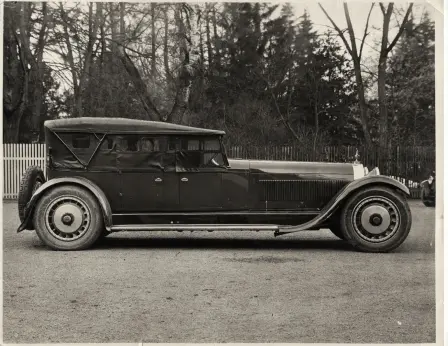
341	198
79	181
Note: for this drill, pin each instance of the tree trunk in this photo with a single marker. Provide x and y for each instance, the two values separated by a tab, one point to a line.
153	40
70	58
215	38
165	46
382	65
209	43
363	109
201	43
114	28
356	58
184	79
382	100
88	57
137	81
15	74
36	72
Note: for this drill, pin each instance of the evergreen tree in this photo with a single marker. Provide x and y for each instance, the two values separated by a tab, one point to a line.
411	85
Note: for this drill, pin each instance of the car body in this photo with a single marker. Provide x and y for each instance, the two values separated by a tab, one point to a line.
110	174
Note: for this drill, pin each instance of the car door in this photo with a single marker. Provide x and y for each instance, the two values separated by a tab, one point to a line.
147	185
200	166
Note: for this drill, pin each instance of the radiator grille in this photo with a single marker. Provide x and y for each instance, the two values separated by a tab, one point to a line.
300	190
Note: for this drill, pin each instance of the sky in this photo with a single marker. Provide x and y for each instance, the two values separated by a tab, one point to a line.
359	11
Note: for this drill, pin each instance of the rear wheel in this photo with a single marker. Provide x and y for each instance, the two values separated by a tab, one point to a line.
32	179
68	218
376	220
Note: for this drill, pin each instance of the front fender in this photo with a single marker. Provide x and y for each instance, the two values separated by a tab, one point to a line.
341	197
80	181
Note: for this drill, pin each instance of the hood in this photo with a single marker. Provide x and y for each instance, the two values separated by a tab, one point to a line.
349	170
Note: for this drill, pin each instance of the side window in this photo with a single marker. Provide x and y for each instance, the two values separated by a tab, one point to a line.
213	160
81	141
201	153
135	144
152	144
211	145
107	143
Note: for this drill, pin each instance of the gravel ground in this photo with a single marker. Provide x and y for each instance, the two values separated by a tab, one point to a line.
219	287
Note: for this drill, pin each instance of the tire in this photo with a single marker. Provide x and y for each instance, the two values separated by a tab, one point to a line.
376	220
336	230
32	179
428	203
68	218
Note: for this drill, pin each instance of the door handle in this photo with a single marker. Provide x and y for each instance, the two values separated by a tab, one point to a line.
158	180
184	179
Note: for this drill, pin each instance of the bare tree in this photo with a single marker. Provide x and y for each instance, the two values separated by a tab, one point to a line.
183	82
356	57
94	22
134	74
382	65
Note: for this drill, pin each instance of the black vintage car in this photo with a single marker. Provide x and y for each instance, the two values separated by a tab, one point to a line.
428	190
106	175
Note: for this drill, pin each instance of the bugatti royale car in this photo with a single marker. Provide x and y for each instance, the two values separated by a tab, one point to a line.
107	175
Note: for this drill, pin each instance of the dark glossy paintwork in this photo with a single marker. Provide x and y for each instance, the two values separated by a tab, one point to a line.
200	190
277	185
109	182
142	191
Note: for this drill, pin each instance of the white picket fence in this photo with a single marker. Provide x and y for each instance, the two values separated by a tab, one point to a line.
16	159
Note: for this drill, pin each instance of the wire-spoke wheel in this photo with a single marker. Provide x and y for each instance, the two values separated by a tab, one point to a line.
376	219
68	218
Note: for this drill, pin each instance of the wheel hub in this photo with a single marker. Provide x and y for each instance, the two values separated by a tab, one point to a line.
67	218
375	219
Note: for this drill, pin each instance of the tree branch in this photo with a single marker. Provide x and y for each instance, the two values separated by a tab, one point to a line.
365	31
383	9
351	33
341	34
401	29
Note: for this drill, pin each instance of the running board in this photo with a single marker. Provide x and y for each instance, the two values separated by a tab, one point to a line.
190	227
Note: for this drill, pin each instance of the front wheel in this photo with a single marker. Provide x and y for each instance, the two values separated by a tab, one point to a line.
336	230
376	220
68	218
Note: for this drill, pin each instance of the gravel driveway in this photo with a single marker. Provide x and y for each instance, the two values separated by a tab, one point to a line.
219	287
